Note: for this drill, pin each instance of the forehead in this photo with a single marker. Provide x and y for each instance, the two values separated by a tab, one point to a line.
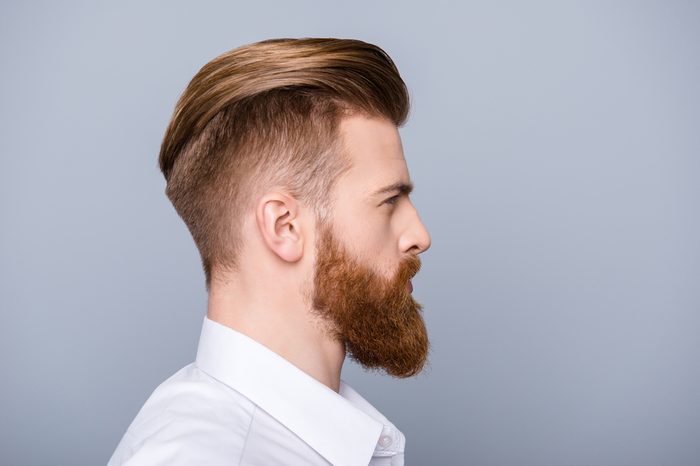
375	149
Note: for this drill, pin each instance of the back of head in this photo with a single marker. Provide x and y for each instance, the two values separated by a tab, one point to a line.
267	114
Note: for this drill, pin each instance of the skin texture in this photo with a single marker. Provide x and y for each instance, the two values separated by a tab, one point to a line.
316	293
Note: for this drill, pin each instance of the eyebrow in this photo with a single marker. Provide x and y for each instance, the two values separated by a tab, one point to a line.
400	186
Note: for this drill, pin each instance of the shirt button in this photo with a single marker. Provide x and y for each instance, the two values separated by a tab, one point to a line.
385	441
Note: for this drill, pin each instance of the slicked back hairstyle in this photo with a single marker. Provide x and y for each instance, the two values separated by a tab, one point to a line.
266	115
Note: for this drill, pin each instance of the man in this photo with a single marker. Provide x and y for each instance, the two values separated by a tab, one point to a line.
284	159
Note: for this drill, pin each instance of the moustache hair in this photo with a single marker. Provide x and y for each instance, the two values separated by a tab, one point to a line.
408	268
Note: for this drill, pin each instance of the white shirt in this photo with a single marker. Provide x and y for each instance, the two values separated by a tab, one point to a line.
240	403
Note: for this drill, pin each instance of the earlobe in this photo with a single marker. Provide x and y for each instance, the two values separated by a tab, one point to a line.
277	217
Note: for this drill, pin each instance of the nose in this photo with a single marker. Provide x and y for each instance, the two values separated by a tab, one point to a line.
416	239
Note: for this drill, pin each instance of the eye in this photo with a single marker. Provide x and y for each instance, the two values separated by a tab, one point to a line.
393	199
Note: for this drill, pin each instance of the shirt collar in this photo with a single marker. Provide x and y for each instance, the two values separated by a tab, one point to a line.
343	427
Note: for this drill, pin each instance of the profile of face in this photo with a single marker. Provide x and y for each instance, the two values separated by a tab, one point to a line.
361	285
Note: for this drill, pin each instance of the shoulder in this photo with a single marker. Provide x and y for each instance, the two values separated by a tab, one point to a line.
191	418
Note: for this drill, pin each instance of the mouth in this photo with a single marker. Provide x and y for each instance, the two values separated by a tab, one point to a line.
409	286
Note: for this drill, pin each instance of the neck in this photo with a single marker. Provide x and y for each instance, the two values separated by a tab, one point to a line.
282	323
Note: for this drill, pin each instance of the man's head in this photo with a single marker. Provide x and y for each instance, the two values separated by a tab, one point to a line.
276	158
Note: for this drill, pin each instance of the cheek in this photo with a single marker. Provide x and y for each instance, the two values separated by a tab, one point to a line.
369	234
375	242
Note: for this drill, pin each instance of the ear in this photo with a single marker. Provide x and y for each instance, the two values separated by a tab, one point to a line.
277	216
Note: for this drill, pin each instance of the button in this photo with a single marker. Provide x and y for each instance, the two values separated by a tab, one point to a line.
385	441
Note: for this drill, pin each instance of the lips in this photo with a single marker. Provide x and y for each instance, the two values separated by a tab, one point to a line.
409	286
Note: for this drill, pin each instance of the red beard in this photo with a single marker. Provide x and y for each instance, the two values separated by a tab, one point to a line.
376	318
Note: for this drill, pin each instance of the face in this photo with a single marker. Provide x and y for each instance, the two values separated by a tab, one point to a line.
365	259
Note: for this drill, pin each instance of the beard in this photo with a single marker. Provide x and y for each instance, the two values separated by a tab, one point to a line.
375	317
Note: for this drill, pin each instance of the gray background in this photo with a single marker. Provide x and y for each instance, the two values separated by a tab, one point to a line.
554	146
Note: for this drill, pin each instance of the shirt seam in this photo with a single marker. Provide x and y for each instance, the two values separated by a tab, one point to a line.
247	434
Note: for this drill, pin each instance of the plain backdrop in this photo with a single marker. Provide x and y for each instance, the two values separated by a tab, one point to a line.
554	147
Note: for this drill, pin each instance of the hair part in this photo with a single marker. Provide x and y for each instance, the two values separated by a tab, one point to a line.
267	114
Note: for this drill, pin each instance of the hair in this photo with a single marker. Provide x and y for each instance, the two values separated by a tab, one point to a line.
266	115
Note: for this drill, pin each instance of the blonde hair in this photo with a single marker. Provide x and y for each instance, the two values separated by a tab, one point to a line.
266	114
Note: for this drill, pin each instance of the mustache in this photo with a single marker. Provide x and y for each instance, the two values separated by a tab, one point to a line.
408	268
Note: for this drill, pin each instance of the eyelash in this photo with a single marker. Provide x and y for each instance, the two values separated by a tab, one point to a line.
392	200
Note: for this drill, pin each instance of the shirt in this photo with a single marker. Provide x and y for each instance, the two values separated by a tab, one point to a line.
240	403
